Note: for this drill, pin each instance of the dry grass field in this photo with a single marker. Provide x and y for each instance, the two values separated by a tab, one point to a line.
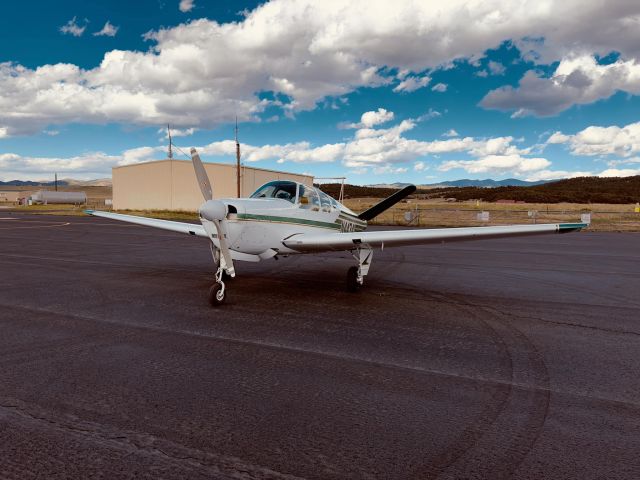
438	213
426	213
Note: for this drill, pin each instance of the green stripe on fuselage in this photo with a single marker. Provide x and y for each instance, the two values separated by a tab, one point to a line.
292	220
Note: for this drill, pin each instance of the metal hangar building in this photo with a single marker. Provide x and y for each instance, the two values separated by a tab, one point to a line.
171	184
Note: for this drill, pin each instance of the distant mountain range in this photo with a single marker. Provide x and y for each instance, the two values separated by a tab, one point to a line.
466	182
66	182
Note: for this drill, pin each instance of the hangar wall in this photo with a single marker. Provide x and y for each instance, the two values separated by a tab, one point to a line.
172	185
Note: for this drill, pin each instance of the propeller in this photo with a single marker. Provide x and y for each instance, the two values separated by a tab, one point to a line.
213	211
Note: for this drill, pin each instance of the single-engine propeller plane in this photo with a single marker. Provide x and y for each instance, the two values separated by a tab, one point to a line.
284	218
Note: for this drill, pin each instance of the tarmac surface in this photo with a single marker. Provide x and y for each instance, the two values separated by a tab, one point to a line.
511	358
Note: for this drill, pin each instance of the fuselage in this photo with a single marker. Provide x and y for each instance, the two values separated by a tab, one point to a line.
260	223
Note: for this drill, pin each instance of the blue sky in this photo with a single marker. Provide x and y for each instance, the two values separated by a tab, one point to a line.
420	92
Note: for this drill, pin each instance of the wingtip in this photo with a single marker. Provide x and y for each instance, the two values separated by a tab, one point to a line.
89	212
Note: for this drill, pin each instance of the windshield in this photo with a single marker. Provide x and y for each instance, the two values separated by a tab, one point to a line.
280	189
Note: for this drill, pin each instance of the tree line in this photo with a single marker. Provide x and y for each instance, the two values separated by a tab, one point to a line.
574	190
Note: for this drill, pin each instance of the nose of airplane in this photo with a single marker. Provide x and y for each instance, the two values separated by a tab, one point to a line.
213	210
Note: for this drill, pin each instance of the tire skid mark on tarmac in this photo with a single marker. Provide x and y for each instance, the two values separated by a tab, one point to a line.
165	453
500	439
442	463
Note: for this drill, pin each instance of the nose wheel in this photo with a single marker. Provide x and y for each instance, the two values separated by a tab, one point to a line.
217	292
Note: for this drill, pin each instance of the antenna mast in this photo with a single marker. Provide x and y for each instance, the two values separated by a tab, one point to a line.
170	156
237	159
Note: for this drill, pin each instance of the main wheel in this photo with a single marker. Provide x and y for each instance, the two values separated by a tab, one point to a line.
216	295
352	279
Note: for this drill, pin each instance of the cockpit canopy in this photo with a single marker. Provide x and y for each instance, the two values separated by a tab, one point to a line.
297	193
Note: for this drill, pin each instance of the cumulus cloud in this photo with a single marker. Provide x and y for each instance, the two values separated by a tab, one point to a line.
371	118
595	140
107	31
371	148
440	87
72	27
614	172
412	84
186	6
177	132
202	73
576	81
496	68
555	175
451	133
499	164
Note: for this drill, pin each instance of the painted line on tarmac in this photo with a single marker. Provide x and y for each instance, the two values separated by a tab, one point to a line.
37	226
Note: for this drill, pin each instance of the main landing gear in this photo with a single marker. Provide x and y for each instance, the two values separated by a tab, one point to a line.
355	274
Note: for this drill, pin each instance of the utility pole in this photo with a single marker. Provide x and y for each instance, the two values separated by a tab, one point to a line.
237	158
170	156
56	182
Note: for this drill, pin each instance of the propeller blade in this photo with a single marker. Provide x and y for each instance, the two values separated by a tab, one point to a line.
224	249
201	175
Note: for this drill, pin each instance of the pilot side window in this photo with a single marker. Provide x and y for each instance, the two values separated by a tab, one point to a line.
308	198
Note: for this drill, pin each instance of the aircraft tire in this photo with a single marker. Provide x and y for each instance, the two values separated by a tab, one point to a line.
216	295
352	280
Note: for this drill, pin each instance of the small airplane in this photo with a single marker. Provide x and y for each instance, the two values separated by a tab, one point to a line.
283	218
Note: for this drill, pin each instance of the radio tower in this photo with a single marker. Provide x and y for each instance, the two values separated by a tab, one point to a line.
237	158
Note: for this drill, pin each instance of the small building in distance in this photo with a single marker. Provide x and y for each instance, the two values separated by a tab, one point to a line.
51	196
10	196
171	184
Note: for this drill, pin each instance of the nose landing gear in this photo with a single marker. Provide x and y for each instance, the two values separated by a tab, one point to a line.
217	291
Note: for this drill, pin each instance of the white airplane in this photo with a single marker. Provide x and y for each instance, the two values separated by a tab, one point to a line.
284	218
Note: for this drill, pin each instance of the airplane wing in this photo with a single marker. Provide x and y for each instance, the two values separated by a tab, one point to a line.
180	227
391	238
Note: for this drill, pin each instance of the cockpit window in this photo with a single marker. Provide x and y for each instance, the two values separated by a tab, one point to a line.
308	198
280	189
325	201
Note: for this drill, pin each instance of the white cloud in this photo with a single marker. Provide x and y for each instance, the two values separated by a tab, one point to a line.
439	87
613	172
186	6
107	31
577	80
429	115
594	140
498	164
555	175
412	84
451	133
496	68
370	119
202	73
177	132
387	169
73	28
383	150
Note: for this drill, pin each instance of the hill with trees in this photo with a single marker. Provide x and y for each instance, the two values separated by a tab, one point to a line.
574	190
